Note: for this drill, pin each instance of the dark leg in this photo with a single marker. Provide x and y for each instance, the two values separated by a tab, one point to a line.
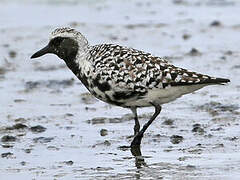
139	160
138	138
137	125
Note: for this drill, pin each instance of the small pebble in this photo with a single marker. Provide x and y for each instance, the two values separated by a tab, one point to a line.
12	54
8	138
87	98
186	36
176	139
233	138
27	150
194	52
19	100
2	70
5	45
20	119
107	143
191	167
38	129
182	158
229	52
90	109
6	155
68	115
197	128
68	162
103	132
43	139
7	145
223	57
17	126
168	122
54	148
23	163
215	23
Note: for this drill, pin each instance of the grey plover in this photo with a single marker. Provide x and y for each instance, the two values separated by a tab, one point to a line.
124	76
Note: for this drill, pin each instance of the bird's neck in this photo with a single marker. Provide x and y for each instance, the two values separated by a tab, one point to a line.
81	65
73	66
77	62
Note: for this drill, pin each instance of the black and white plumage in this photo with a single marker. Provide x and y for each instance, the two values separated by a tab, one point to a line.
124	76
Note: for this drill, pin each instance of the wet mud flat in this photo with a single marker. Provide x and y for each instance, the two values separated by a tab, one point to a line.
52	128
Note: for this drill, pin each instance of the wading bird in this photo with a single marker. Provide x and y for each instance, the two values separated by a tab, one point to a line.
124	76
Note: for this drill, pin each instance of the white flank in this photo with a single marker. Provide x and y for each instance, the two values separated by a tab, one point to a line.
162	96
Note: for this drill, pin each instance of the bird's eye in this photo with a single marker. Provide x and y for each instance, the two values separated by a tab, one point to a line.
56	41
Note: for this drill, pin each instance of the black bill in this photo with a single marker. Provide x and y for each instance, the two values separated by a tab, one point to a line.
41	52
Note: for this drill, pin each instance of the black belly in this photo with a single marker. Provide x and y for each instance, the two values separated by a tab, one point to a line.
118	98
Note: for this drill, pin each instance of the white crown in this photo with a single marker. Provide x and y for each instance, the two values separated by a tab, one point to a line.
69	32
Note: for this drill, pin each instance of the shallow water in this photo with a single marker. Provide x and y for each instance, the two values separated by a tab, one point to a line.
51	128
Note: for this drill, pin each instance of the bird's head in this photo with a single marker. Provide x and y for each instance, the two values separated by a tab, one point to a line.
65	43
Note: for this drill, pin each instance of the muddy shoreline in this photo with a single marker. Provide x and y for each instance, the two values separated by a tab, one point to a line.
51	128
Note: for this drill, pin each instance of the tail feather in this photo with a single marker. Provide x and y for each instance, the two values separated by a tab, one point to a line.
219	80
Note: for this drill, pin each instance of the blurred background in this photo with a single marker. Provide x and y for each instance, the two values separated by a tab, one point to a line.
52	128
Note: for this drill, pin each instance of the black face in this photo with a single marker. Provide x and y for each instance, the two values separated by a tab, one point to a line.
64	47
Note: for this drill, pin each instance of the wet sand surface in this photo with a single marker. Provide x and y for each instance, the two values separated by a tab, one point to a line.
52	128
